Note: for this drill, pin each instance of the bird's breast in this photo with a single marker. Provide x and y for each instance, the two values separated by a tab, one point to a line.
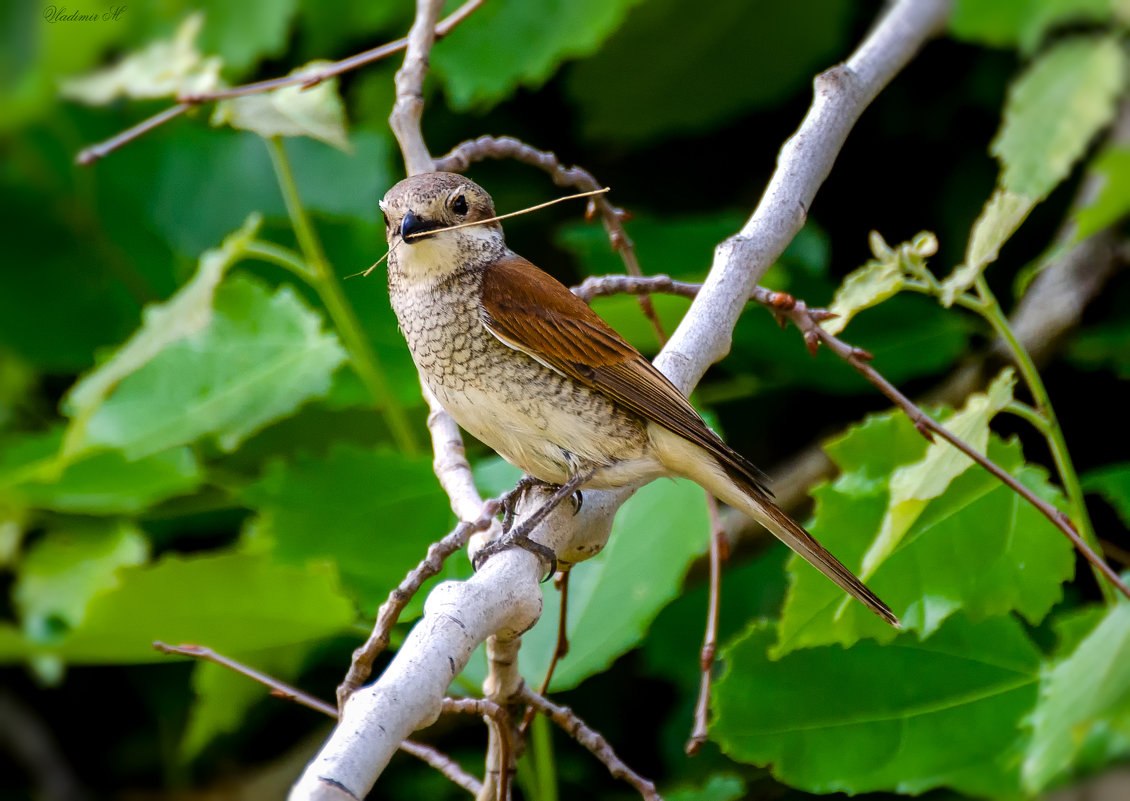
543	422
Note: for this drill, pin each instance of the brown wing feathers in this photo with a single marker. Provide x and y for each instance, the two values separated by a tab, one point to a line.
535	313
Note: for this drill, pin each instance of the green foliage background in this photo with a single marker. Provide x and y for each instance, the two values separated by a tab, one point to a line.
207	436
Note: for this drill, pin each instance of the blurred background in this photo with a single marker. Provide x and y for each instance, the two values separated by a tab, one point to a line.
264	536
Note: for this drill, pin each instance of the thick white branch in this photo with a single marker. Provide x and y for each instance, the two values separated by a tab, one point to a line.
841	94
504	598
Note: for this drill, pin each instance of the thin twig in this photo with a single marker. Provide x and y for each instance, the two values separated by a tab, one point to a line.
438	760
93	153
560	648
718	552
500	722
576	728
506	147
807	320
389	612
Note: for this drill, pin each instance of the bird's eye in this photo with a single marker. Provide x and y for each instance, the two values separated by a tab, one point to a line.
459	205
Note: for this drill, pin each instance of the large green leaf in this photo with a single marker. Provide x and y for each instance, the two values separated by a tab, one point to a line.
654	537
1010	556
1088	686
508	43
244	33
263	354
373	513
235	603
912	486
224	697
1054	111
61	572
103	482
185	314
905	717
727	58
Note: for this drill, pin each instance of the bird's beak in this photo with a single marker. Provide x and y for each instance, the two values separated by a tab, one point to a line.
411	224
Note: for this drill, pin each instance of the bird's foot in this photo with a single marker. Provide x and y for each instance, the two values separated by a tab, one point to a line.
509	501
518	539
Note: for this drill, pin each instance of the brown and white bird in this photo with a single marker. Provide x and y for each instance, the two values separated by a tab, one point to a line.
529	369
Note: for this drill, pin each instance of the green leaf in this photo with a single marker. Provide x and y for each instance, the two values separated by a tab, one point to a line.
373	513
654	537
60	574
1054	110
913	485
1012	558
185	314
234	603
872	717
316	112
1024	23
866	287
1112	202
626	94
998	221
224	697
104	482
263	354
549	32
1088	685
244	32
163	69
869	452
881	278
1113	483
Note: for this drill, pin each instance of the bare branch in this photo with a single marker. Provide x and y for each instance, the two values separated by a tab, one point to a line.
441	762
390	610
842	93
718	552
506	147
93	153
409	107
503	598
591	739
501	754
807	320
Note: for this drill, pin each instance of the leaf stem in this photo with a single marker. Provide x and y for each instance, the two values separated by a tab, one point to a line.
1048	424
280	257
1026	412
321	278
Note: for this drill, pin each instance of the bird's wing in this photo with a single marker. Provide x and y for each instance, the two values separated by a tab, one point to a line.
530	311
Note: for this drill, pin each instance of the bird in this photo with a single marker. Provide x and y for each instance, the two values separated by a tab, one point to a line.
527	368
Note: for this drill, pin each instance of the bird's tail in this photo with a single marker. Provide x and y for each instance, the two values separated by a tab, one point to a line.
729	477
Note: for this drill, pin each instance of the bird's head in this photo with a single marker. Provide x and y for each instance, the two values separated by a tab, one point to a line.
416	210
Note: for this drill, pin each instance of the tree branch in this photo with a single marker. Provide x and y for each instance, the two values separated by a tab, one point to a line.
503	597
591	739
842	93
93	153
